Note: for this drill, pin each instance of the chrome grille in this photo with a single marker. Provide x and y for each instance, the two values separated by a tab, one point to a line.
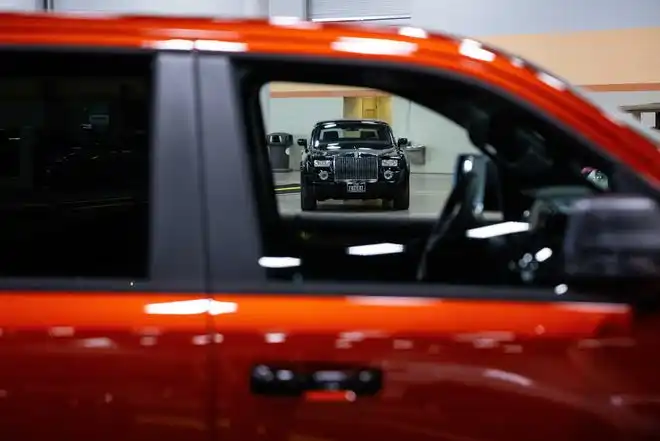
359	169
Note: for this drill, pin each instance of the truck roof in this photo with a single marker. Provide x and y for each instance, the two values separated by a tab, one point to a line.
276	35
287	36
144	30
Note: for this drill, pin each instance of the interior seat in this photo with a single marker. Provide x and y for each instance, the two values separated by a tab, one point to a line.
330	136
452	256
488	176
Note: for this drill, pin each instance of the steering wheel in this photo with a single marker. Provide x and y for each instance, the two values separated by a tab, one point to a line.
456	217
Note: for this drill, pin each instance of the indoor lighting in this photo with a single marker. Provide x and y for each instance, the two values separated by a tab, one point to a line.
392	301
97	343
279	262
275	337
509	377
191	307
543	254
61	331
474	49
408	31
495	230
220	46
375	249
202	45
374	46
551	81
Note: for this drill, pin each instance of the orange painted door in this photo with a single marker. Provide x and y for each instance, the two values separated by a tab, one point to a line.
351	368
305	359
101	366
103	327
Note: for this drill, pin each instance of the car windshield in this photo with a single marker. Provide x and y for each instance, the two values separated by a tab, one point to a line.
367	134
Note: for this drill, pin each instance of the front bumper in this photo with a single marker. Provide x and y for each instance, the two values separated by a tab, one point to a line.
380	189
339	190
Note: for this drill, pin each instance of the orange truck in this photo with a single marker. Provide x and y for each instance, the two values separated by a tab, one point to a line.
151	290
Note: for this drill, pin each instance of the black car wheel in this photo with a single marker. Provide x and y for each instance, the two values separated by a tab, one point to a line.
307	198
401	199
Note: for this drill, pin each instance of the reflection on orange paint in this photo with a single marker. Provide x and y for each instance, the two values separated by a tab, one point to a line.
331	396
475	60
373	316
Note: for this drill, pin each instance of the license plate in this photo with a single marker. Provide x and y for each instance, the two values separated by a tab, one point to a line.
357	188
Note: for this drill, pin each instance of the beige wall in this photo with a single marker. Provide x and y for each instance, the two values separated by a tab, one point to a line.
300	90
622	56
612	60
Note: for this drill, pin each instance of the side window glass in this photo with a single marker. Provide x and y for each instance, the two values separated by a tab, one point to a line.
456	187
418	147
74	164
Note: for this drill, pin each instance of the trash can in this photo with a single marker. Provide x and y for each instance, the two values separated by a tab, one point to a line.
295	154
279	145
416	154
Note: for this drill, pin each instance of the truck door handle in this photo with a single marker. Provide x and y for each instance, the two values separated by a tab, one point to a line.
267	379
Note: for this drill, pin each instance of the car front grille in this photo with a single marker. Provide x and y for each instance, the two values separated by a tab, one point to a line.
360	169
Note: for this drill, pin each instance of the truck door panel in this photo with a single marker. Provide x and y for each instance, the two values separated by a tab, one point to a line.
102	366
450	369
123	357
455	362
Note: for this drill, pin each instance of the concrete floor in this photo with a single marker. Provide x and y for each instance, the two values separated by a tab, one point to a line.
428	193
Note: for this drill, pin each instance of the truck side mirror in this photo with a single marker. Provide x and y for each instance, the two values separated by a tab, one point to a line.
612	242
402	142
302	142
596	177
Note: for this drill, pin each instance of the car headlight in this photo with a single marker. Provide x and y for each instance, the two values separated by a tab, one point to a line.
322	163
390	162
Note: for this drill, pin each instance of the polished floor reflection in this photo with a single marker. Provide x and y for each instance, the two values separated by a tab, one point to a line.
428	193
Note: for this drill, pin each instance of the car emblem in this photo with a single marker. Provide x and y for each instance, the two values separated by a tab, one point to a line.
356	154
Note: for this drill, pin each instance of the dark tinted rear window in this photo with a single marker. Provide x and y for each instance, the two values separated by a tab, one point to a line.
74	164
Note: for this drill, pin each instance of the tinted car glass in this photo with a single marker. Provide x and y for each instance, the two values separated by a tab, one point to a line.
339	133
523	172
74	179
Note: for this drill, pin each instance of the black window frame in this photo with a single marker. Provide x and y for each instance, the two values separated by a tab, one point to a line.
176	243
240	273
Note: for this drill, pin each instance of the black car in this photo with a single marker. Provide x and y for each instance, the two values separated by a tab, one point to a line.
354	159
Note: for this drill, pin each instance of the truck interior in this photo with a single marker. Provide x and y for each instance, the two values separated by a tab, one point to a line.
505	215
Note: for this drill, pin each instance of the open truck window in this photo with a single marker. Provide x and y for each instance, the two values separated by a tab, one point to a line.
486	204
